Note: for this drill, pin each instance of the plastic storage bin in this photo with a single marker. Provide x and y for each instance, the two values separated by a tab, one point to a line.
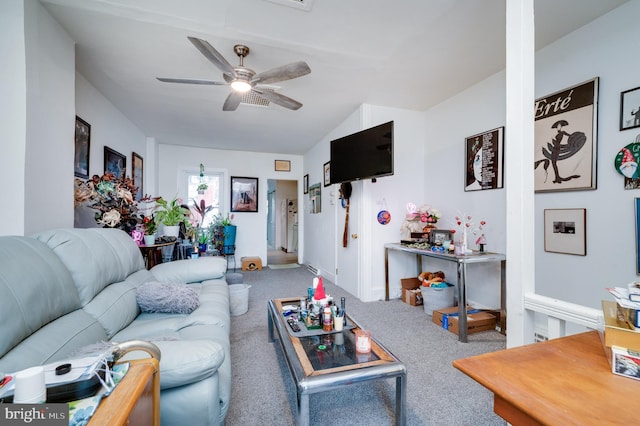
239	295
435	298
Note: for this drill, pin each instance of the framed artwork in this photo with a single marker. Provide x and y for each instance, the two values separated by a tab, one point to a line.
244	194
315	198
565	139
283	165
637	212
630	109
327	173
305	184
82	145
565	231
136	174
114	162
484	160
439	236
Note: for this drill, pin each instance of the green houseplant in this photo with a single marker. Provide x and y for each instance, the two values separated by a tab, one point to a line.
223	233
170	213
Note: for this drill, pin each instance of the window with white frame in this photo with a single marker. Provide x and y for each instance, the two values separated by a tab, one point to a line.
205	187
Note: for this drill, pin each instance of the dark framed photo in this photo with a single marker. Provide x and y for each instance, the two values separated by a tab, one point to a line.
82	148
484	160
565	231
114	163
137	168
244	194
326	170
282	165
305	184
439	236
630	109
565	141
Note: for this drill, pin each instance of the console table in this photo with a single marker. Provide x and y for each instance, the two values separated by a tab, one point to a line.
564	381
462	262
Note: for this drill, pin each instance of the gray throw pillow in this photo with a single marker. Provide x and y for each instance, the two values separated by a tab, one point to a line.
170	298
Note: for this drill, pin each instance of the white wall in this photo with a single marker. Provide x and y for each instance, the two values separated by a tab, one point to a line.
604	49
109	127
251	239
13	110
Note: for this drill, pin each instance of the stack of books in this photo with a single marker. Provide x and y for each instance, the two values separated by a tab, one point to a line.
622	329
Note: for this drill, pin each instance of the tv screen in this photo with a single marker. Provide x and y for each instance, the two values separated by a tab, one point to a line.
363	155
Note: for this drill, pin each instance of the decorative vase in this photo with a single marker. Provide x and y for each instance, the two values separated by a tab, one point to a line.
172	231
150	240
137	235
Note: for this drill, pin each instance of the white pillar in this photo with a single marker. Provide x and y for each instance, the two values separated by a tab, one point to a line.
520	202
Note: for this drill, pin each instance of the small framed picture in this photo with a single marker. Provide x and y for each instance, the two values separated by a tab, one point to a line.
244	194
439	236
484	160
136	174
115	163
82	145
327	173
283	166
565	231
630	109
305	184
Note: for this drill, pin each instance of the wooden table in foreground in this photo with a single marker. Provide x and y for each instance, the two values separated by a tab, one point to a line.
136	399
564	381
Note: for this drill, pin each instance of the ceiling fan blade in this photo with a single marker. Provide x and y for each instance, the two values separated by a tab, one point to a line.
232	101
285	72
279	99
191	81
212	54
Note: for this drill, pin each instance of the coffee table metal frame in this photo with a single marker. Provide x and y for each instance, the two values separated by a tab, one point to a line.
309	381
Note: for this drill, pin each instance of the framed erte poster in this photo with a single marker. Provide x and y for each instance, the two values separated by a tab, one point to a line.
244	194
484	160
630	109
565	139
82	145
136	174
565	231
115	163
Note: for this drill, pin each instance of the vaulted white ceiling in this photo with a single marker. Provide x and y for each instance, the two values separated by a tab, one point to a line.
409	54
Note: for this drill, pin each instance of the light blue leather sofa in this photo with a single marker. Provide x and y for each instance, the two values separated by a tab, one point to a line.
65	289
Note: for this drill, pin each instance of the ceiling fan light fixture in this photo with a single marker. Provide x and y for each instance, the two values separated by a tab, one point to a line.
240	86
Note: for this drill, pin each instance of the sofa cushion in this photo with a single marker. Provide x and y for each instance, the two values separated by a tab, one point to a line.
95	257
115	306
173	298
191	270
31	296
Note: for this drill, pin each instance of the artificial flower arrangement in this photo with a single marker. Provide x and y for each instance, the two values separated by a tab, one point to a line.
112	197
420	219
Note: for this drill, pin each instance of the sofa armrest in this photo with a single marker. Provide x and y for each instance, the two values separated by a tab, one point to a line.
191	270
184	361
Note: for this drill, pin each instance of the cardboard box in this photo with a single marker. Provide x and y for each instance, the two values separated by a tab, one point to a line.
412	297
476	322
625	362
411	293
616	330
251	263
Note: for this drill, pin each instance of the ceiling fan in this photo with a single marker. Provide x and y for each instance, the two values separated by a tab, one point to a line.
243	80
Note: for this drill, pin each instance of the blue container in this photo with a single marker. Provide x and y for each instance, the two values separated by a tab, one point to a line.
229	239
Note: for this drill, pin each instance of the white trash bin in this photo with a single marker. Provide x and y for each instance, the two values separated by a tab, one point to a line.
239	295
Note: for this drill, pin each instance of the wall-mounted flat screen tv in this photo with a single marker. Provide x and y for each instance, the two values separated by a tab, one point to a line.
363	155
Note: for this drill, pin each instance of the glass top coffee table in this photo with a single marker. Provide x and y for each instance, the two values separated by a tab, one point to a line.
327	361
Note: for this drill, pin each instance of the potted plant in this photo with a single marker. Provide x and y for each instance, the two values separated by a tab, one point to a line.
203	240
223	233
150	228
171	214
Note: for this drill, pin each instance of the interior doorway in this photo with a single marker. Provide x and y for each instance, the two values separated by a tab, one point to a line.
282	221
